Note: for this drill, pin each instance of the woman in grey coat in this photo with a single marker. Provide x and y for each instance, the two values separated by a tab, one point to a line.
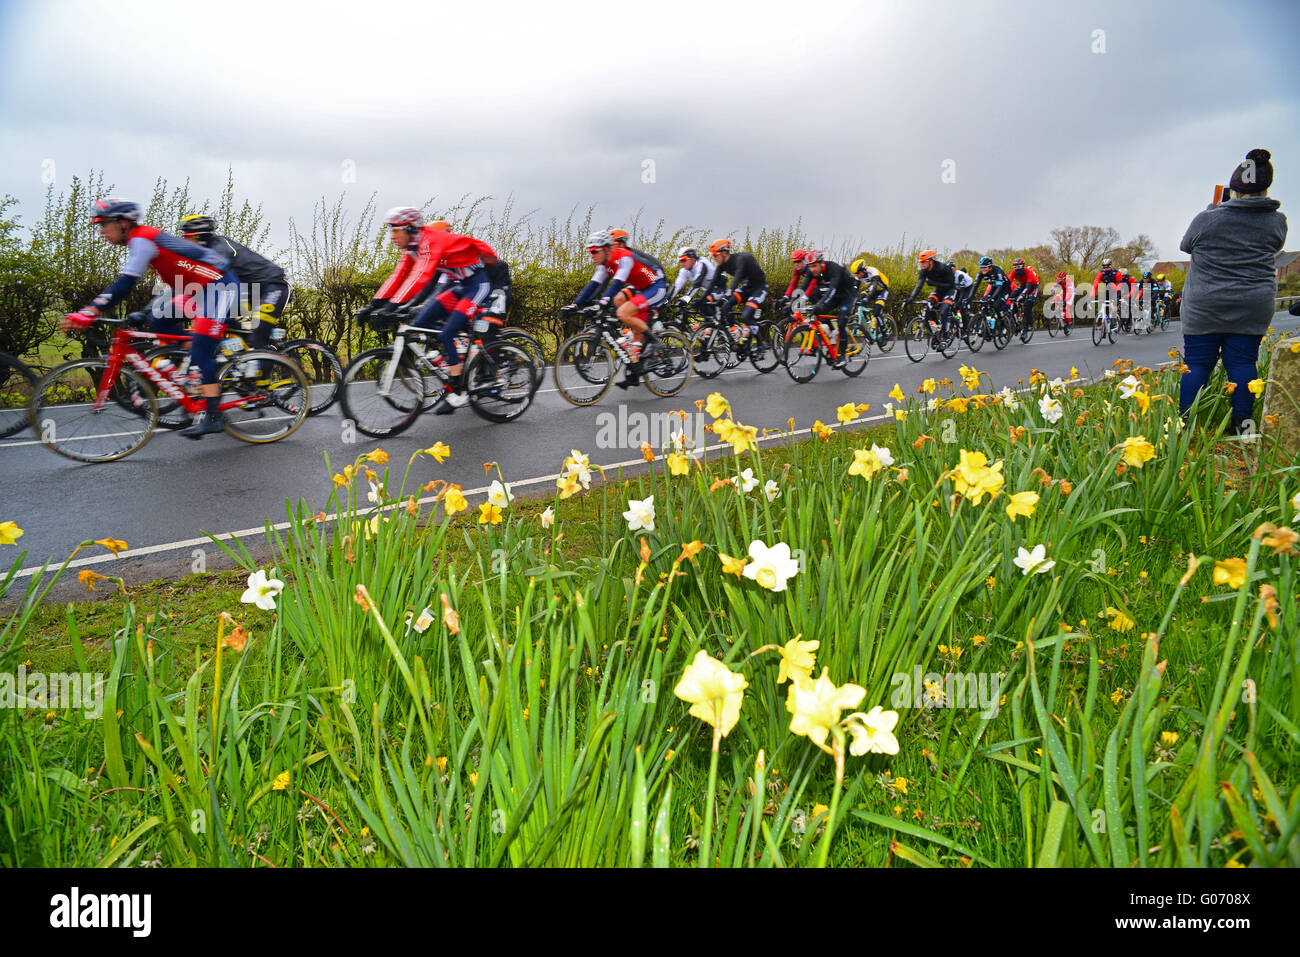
1231	285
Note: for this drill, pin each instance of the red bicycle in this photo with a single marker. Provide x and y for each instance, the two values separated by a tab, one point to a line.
807	339
104	408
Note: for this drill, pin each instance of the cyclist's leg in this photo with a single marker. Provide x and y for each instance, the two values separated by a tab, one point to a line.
220	300
267	301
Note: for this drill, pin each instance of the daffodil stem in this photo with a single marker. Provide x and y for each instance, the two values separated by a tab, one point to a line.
824	849
706	838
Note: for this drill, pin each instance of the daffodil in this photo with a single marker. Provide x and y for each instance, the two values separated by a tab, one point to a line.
745	482
974	478
1230	572
1051	409
846	413
454	501
897	393
690	550
114	545
771	490
714	691
678	464
771	567
438	451
873	733
867	462
1009	399
970	377
815	706
499	494
824	432
489	514
716	405
928	386
732	566
261	591
640	514
1256	386
548	517
10	533
1033	562
796	660
1021	503
1138	451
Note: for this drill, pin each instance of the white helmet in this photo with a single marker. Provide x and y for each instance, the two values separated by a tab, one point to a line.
404	217
600	238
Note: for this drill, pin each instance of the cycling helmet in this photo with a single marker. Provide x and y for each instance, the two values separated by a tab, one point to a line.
814	256
858	267
404	217
600	238
798	256
196	226
1146	274
719	246
1060	275
1106	262
687	252
1160	276
926	256
618	235
1018	263
986	261
951	264
441	225
111	208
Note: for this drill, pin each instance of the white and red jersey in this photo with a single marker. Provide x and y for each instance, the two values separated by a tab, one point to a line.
625	267
437	253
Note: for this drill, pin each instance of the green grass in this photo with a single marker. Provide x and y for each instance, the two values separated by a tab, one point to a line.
543	728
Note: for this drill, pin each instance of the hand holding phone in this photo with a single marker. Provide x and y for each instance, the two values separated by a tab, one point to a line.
1221	195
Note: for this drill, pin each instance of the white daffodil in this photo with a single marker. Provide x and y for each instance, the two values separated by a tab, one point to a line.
373	495
548	517
885	456
1009	399
579	465
1057	385
499	494
1051	409
771	567
1128	385
771	490
873	732
1295	502
745	482
261	591
1033	562
640	515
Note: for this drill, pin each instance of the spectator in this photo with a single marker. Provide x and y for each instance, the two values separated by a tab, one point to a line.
1228	299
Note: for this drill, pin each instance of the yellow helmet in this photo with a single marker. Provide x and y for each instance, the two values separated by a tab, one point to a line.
1161	277
858	266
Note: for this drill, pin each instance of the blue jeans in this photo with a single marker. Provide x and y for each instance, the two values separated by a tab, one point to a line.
1240	354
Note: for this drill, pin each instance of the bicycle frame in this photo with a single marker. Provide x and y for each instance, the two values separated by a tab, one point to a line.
122	352
818	332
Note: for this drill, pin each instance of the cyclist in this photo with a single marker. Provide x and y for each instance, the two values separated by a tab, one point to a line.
873	286
694	276
941	278
1063	297
634	286
263	288
620	240
188	268
965	288
837	291
428	252
801	279
1024	289
1113	279
498	300
748	281
997	284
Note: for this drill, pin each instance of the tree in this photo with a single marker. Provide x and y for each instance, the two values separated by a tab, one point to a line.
1083	247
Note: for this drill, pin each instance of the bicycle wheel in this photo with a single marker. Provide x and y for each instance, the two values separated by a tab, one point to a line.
1026	328
72	419
530	345
381	401
884	333
1001	333
855	349
1053	325
945	341
667	368
765	348
584	368
271	393
803	352
321	366
916	339
974	333
712	350
1112	330
17	386
500	381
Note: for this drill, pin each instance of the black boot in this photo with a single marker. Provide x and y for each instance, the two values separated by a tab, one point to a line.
633	376
211	421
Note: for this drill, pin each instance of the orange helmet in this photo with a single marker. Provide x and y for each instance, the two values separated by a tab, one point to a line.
441	225
719	246
926	256
618	235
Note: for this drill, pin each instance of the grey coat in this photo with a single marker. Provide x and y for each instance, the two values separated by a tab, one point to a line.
1231	283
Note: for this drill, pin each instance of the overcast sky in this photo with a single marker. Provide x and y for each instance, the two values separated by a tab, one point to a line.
846	115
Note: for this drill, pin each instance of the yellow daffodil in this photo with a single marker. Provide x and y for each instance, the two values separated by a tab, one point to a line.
679	464
690	550
796	660
974	478
731	566
867	462
1230	572
716	405
1138	451
489	514
114	545
438	451
714	691
1256	386
454	501
958	404
822	431
897	393
927	387
816	706
1021	503
10	533
846	413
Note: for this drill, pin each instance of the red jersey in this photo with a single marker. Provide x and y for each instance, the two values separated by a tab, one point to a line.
1030	279
437	251
173	262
